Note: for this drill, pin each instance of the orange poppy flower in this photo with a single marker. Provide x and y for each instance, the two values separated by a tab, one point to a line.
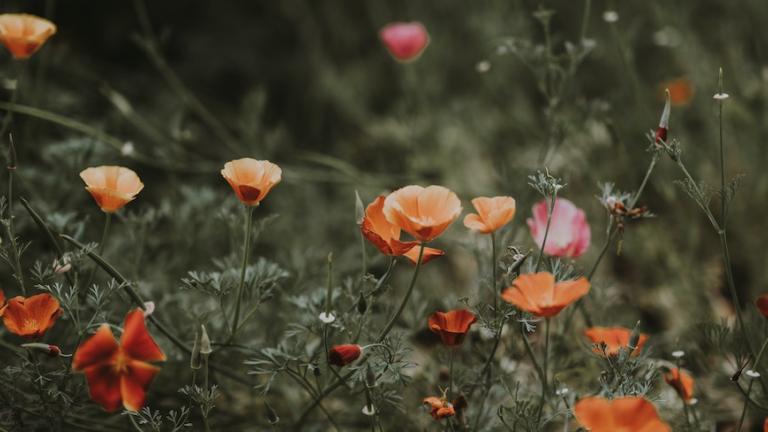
423	212
342	355
538	293
492	213
680	91
439	408
31	317
681	381
2	301
119	373
452	326
251	179
626	414
762	304
614	338
765	425
386	236
24	34
111	186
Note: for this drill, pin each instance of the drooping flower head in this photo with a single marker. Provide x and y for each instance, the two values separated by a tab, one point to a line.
405	41
386	235
492	213
538	294
681	381
112	187
342	355
119	373
452	326
439	407
30	317
24	34
625	414
422	212
251	179
569	233
614	338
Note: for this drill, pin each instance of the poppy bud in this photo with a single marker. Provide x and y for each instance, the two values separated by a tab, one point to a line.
661	131
194	358
362	305
51	350
359	209
342	355
205	342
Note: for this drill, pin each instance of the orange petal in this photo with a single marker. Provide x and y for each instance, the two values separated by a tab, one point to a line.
428	255
136	340
24	34
134	384
104	386
99	349
251	179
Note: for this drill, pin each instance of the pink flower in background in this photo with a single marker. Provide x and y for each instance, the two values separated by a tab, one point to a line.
405	40
569	232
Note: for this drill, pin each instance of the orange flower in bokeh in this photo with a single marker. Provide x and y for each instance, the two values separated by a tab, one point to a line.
765	425
439	408
492	213
119	373
342	355
762	304
681	381
111	186
615	338
452	326
405	40
626	414
538	294
386	236
30	317
251	179
680	91
423	212
24	34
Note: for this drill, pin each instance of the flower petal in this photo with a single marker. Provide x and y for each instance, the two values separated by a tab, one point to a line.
136	340
98	349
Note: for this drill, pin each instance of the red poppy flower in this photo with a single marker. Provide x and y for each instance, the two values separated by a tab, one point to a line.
681	381
626	414
342	355
452	326
386	235
614	338
538	293
119	373
439	408
762	304
405	41
31	317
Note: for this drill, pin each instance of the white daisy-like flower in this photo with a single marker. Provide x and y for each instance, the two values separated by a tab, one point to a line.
327	317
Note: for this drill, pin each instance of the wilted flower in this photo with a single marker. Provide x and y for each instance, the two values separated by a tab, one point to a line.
251	179
30	317
614	338
492	213
386	236
569	234
111	186
439	407
405	41
119	373
24	34
538	294
452	326
422	212
681	381
342	355
625	414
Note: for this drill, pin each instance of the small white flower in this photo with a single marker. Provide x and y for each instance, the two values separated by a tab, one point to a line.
693	401
610	16
753	373
149	307
483	66
562	391
369	410
678	354
721	96
127	149
327	318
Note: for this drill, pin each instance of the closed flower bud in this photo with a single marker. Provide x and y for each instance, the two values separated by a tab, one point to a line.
362	305
51	350
205	342
194	359
342	355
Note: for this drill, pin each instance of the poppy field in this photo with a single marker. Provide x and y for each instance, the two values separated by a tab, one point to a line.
376	216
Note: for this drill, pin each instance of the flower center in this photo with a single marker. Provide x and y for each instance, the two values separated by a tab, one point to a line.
121	362
30	325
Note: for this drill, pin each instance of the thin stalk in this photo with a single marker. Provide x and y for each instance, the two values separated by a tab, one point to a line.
9	227
493	275
760	354
544	369
585	19
546	231
529	350
746	404
243	268
408	293
102	242
451	355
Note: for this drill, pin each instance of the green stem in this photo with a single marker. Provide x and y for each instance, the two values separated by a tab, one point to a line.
10	231
746	404
102	242
585	19
408	293
760	354
529	350
546	231
243	268
451	355
493	275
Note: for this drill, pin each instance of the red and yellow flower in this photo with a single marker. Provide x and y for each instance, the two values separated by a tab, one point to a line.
24	34
614	338
30	317
538	294
112	187
452	326
251	179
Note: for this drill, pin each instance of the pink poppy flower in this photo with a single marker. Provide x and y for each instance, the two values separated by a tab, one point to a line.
569	233
405	40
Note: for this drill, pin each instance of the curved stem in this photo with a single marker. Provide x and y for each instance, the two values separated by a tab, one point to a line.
546	231
746	405
104	234
408	293
243	268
